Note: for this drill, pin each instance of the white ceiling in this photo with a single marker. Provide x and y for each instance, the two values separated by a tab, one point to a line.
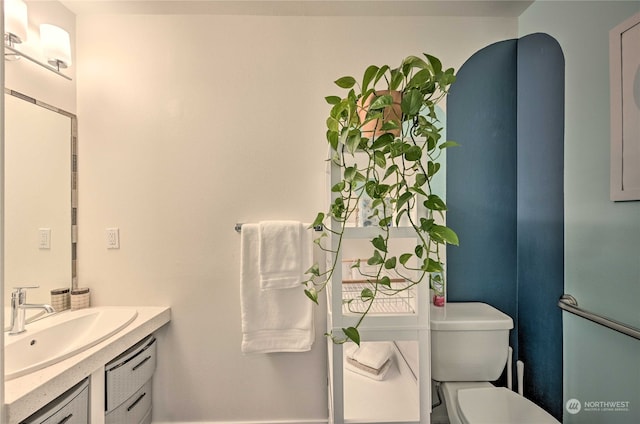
497	8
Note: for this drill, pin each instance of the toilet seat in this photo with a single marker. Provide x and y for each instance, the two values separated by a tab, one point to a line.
499	405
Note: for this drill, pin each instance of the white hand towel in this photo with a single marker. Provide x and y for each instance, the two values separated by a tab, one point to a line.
285	254
372	355
371	360
272	320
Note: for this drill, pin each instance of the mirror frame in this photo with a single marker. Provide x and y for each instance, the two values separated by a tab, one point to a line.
73	176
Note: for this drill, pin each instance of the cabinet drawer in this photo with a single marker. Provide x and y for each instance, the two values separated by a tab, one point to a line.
129	371
72	407
134	409
147	418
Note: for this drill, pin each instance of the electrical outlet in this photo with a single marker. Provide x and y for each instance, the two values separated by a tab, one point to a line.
44	238
113	238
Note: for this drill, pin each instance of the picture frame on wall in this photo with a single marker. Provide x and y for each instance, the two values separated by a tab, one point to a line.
624	59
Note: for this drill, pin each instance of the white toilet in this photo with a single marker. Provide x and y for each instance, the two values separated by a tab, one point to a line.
469	348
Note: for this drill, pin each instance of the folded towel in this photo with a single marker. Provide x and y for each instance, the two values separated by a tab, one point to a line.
372	355
272	320
371	360
285	254
379	375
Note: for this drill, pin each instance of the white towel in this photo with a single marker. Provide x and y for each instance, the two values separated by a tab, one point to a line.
371	360
372	355
285	254
272	320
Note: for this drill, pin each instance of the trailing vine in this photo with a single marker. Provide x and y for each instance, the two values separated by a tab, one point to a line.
389	156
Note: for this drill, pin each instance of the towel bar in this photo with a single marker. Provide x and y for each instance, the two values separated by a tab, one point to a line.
238	227
570	304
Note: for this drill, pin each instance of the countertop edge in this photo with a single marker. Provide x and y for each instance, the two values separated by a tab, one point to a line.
27	394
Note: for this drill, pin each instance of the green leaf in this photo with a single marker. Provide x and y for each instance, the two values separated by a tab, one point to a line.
411	102
404	258
379	243
421	179
404	198
350	173
333	100
436	65
413	62
382	141
385	281
366	294
432	168
396	79
419	79
448	144
431	265
399	215
338	187
390	170
352	334
332	138
345	82
376	259
383	70
379	159
353	141
418	190
442	234
413	153
426	224
390	263
381	102
312	294
435	203
385	222
314	270
369	75
419	250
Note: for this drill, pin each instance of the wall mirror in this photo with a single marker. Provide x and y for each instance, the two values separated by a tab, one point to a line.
40	198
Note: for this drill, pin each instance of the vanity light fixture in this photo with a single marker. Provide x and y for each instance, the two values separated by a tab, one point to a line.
56	46
55	41
15	22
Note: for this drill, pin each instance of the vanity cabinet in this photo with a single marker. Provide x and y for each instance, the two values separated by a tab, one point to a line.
128	380
72	407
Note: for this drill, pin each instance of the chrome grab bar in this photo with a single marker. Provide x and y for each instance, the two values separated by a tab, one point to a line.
570	304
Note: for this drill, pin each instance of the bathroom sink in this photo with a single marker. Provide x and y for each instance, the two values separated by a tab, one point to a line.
61	336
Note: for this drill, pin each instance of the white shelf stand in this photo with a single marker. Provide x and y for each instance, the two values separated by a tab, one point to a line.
404	396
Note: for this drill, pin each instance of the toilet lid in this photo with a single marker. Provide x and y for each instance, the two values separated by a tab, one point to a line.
499	405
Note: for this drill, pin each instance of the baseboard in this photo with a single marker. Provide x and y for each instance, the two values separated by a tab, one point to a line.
246	422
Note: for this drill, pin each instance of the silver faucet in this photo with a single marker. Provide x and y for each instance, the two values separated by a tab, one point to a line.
19	305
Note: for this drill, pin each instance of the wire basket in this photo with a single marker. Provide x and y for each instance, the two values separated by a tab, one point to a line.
387	301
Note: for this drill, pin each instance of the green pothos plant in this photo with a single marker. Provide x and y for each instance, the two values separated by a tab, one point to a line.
385	138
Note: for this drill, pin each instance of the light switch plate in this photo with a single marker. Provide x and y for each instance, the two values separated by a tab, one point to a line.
113	238
44	238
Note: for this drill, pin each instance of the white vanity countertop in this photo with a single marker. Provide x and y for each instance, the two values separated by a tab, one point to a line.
25	395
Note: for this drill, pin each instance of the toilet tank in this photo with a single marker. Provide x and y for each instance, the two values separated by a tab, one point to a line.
469	342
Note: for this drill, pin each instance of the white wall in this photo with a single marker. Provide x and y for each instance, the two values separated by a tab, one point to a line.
189	124
602	238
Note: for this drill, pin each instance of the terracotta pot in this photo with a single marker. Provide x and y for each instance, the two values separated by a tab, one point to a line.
390	113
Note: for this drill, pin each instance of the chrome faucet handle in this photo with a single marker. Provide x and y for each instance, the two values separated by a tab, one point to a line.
20	288
19	293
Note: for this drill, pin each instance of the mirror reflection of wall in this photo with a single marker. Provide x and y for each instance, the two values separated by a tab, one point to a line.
38	155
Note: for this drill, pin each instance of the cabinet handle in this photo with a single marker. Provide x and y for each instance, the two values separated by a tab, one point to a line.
126	361
65	419
141	363
135	402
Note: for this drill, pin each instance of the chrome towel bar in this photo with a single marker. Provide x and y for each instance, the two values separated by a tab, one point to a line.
238	227
570	304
